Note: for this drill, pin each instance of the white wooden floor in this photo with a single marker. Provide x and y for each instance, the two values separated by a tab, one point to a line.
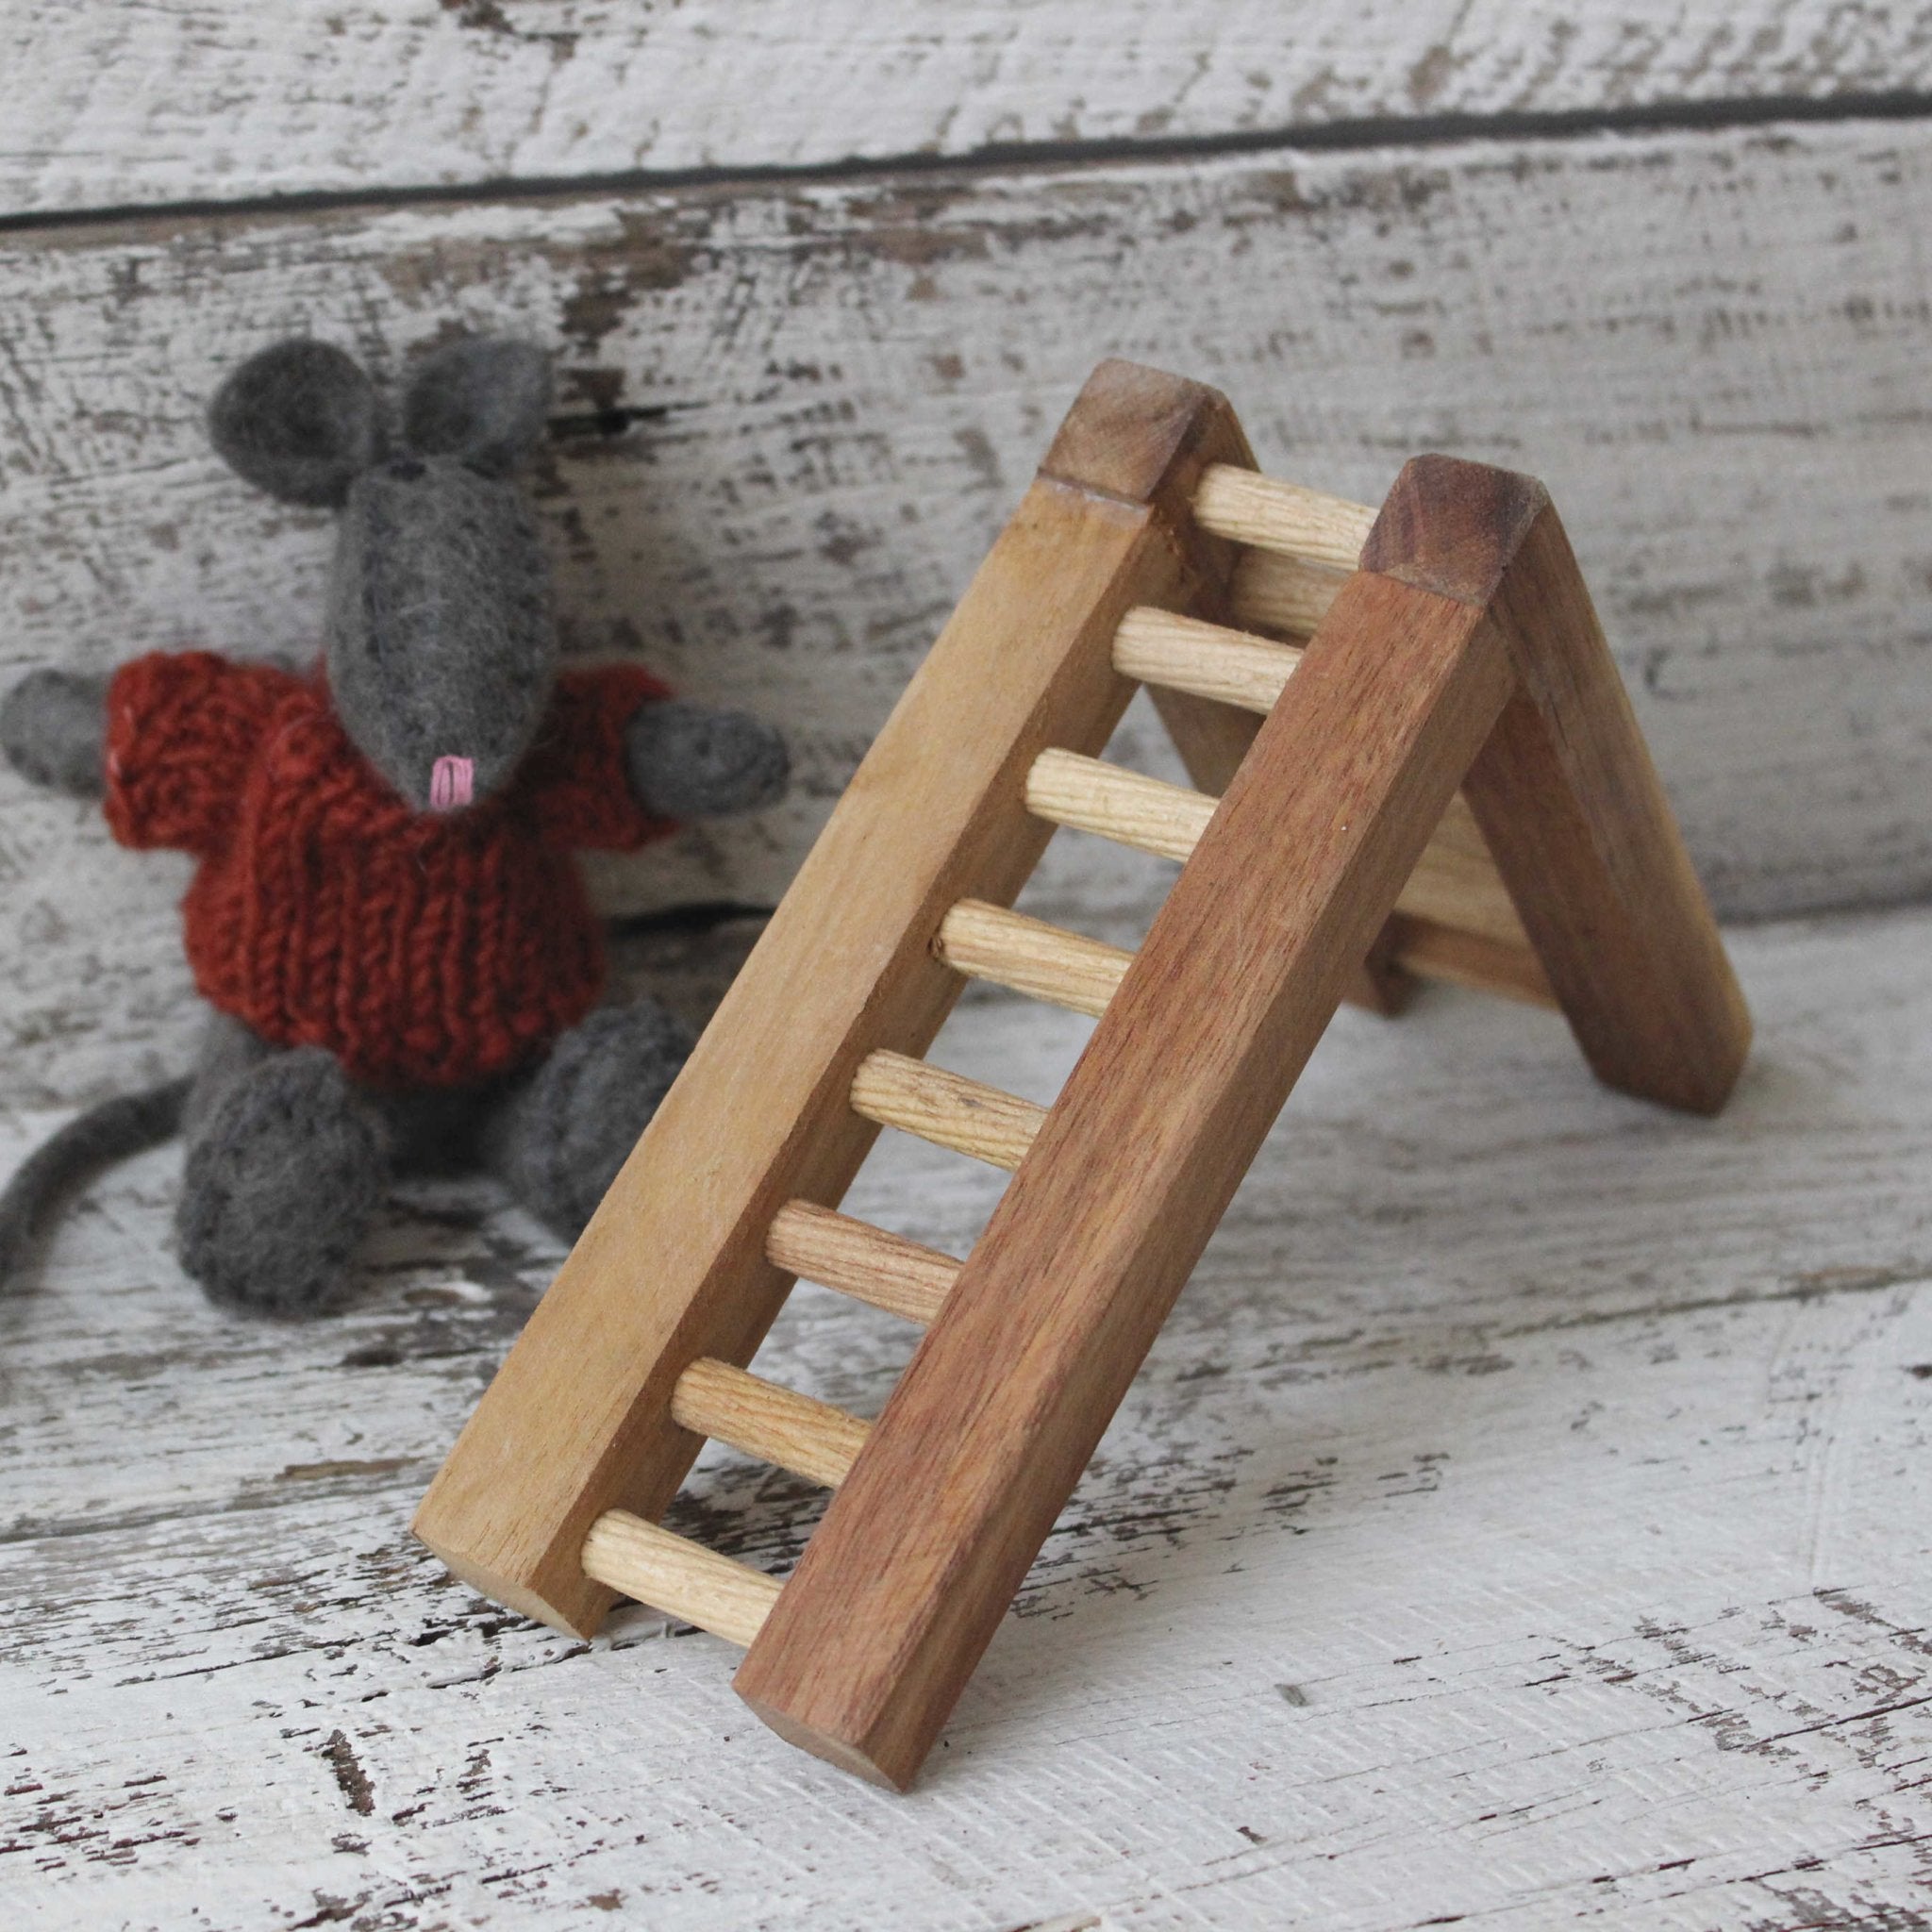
1523	1521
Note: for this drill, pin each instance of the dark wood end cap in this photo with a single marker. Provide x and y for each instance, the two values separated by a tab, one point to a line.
1136	433
1453	527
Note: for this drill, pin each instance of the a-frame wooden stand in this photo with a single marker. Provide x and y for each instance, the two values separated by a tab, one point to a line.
1453	646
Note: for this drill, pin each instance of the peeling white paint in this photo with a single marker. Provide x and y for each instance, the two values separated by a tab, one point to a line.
1522	1516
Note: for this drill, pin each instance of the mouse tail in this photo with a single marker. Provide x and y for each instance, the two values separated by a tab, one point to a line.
112	1131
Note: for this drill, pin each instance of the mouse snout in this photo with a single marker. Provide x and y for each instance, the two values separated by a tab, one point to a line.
441	639
452	783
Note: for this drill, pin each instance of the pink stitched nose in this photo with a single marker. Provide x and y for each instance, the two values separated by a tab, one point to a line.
450	783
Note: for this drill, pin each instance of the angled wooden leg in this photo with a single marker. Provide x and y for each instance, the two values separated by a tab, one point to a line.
1566	793
674	1266
906	1580
1212	741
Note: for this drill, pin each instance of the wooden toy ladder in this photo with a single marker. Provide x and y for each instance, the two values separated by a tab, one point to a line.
1453	645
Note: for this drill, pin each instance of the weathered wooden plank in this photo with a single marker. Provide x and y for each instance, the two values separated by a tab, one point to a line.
1466	1487
1471	1130
793	420
214	99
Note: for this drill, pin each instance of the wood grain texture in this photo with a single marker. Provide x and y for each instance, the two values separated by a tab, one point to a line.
984	1437
1461	1488
212	99
1289	519
1566	796
893	1090
843	979
1028	956
767	1421
1455	882
682	1578
1278	593
904	1278
1089	794
1422	949
793	417
1206	661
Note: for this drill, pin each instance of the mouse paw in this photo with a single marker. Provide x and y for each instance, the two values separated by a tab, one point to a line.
52	727
282	1180
559	1140
688	762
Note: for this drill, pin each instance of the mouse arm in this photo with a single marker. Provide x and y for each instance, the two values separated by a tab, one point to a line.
688	762
53	724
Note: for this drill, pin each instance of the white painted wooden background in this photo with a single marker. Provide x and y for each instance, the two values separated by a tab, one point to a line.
1521	1519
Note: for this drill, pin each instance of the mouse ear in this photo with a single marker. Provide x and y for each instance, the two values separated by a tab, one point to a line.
298	420
482	398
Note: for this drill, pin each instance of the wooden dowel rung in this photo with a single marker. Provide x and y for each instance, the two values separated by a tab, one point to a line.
860	1259
1210	661
1455	883
1430	951
1043	962
1283	593
672	1573
732	1405
946	1108
1246	507
1091	796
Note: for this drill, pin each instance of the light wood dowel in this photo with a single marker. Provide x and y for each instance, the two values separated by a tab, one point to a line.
683	1578
1465	959
1246	507
1027	954
1454	883
1091	796
861	1260
1283	593
1209	661
773	1424
946	1108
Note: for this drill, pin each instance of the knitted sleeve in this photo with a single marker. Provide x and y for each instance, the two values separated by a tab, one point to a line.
182	730
577	778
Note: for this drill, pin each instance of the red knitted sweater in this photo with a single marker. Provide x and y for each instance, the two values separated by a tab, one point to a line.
421	949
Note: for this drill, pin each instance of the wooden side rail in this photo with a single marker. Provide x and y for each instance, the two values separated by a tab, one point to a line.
1464	646
922	1549
667	1273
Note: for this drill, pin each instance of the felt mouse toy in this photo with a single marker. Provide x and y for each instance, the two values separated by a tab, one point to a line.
403	967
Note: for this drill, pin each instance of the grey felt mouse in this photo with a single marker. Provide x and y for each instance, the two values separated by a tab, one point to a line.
402	962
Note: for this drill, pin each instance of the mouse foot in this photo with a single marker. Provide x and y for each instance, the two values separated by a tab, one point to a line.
558	1138
283	1178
